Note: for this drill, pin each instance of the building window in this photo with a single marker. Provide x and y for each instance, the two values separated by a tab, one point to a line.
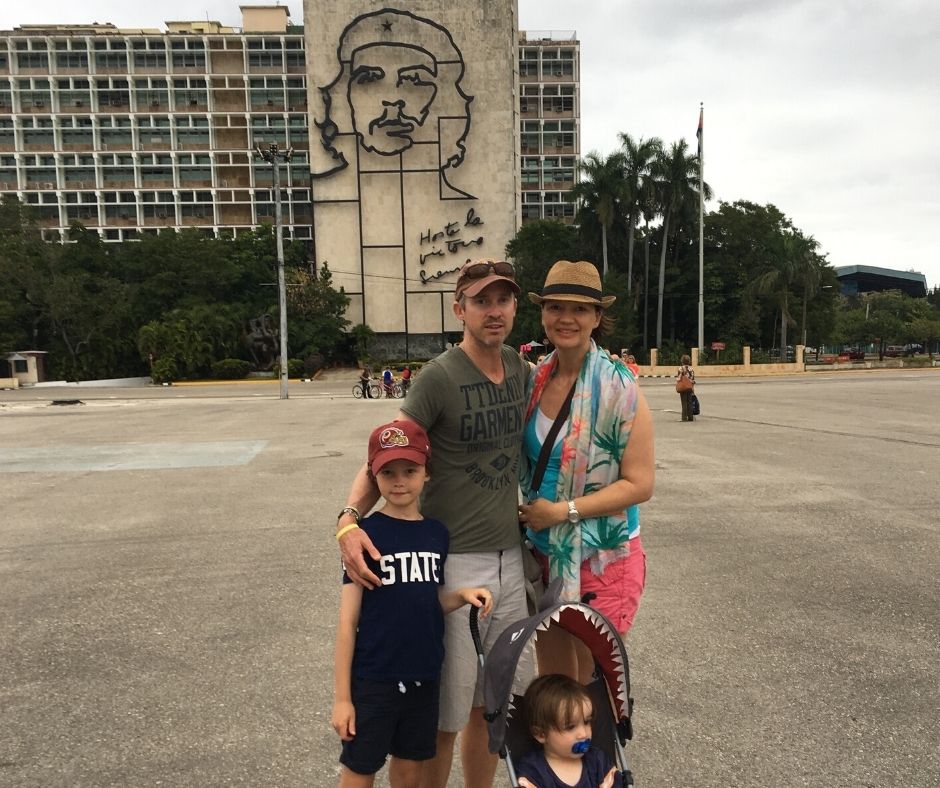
115	60
33	60
71	59
265	60
189	59
150	60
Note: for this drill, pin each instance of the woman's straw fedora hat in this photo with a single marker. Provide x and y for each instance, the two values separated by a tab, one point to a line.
567	281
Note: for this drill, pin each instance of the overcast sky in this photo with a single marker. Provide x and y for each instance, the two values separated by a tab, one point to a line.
829	109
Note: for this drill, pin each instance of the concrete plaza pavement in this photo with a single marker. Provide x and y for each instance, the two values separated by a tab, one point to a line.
169	584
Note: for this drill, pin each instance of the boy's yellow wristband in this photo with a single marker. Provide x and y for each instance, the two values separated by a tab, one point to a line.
345	530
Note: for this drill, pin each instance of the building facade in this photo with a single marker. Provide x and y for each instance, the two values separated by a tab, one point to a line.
861	279
550	122
131	131
136	131
415	161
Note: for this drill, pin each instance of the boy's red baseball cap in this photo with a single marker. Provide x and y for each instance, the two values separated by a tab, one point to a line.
398	440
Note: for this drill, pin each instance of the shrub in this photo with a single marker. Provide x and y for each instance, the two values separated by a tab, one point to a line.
230	369
295	368
164	370
313	364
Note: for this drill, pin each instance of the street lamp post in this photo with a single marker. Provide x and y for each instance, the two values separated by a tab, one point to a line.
273	156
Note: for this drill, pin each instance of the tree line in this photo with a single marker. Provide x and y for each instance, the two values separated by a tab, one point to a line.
172	305
169	305
767	283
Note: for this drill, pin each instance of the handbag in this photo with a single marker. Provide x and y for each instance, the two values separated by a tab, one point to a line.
694	405
531	566
684	383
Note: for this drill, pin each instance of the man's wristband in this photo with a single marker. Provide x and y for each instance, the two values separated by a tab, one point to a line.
349	510
345	530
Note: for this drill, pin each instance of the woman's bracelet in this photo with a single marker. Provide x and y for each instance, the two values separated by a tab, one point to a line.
345	530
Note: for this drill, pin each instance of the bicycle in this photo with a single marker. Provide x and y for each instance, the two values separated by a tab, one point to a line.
375	391
394	391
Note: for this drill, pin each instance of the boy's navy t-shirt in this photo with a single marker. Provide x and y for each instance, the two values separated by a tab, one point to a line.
401	624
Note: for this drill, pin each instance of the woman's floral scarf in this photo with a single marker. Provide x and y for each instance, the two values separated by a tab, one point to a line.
602	412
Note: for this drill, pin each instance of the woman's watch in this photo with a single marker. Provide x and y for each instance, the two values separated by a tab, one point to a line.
574	516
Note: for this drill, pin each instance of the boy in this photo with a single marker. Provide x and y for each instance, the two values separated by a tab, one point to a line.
559	712
390	641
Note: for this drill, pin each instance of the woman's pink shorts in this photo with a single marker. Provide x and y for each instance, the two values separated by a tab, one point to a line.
618	590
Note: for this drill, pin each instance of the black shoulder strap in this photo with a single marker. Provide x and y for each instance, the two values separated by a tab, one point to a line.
549	443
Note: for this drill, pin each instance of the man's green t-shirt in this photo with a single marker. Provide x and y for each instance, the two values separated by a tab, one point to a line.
475	427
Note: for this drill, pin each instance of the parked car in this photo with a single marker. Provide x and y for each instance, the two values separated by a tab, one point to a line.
854	353
894	351
913	347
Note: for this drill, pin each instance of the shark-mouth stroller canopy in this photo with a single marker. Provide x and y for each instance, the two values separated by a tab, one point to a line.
583	622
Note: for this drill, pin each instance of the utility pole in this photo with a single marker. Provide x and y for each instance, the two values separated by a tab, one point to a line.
701	228
272	155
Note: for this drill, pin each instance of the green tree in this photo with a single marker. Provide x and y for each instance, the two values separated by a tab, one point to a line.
623	313
600	193
926	330
877	318
190	339
675	173
784	263
314	312
639	156
362	337
21	254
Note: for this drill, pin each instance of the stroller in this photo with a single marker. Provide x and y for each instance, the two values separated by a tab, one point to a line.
609	691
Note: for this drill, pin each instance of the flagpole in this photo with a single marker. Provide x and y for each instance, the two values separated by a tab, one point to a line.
701	228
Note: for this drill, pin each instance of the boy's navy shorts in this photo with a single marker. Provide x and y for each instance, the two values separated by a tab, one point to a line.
391	722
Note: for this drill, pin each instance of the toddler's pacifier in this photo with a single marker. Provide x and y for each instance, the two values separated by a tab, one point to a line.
581	747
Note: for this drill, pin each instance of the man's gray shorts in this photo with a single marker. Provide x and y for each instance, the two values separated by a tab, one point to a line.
462	679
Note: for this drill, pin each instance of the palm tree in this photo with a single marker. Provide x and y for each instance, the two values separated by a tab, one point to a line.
782	268
639	156
600	192
676	175
648	212
810	269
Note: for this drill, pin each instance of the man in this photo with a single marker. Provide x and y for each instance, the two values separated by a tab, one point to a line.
471	401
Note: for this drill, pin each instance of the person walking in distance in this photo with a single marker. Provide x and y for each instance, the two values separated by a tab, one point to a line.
685	385
470	401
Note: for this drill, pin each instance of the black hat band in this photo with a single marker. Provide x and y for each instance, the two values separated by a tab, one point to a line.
591	292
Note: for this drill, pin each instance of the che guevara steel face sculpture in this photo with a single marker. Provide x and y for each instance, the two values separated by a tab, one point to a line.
398	86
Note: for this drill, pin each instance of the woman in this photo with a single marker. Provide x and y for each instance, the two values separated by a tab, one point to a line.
685	385
582	515
630	363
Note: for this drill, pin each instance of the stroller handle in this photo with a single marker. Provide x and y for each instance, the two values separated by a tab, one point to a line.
475	633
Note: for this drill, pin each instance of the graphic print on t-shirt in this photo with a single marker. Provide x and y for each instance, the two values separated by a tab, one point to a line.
492	422
415	567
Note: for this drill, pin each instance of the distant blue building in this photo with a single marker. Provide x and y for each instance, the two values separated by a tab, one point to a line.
856	279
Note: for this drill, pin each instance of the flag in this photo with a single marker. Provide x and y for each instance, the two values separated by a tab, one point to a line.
698	133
